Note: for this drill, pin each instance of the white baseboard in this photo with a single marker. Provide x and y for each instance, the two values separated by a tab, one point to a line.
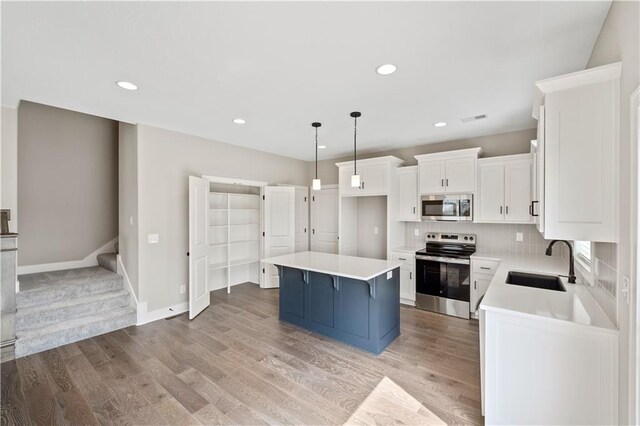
90	260
145	317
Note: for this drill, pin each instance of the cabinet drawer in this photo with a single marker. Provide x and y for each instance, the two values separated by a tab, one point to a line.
407	258
484	266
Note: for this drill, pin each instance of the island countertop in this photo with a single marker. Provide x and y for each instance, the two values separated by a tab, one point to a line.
359	268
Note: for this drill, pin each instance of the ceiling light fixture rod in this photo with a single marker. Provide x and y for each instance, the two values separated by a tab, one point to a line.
316	185
355	178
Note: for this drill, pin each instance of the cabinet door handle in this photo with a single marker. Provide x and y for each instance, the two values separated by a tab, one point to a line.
362	184
447	181
485	268
507	210
533	203
500	209
401	258
475	287
441	182
414	210
313	231
410	275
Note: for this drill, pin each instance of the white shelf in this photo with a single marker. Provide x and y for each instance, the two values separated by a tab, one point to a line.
219	210
244	210
219	244
214	266
218	226
241	262
245	224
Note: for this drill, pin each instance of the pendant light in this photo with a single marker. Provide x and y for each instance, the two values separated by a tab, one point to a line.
317	185
355	178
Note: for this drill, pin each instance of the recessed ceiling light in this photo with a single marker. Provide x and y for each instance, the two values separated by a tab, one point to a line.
239	121
439	124
126	85
386	69
322	146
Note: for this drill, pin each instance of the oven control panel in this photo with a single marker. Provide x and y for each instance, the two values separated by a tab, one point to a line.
451	238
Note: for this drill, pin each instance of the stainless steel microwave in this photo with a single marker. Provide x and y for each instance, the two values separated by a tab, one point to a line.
447	207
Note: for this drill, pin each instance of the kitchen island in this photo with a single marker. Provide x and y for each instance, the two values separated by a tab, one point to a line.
351	299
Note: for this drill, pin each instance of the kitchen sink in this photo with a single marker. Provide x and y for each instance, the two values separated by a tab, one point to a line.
547	282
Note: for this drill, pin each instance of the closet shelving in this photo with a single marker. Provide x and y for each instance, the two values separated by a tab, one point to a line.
234	239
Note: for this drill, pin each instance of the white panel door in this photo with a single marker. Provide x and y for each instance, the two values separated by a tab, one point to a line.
460	175
431	177
198	245
279	228
491	194
324	220
302	219
408	201
517	192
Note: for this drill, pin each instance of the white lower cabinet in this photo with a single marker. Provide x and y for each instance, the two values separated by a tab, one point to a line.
407	276
482	272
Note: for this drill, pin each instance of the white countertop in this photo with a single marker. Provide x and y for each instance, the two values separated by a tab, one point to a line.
576	305
359	268
407	249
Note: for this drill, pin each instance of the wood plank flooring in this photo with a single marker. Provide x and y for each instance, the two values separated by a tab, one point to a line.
236	363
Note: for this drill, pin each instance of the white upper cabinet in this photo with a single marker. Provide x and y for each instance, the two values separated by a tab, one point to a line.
452	172
537	205
431	175
504	189
375	176
408	200
580	149
460	175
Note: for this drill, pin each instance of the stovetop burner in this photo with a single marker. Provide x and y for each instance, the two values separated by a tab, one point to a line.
449	245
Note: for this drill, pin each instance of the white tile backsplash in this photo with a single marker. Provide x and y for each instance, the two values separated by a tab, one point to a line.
602	280
491	237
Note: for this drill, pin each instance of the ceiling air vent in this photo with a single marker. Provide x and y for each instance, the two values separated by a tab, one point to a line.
474	118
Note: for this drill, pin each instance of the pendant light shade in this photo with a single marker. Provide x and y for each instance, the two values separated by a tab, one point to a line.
355	178
316	185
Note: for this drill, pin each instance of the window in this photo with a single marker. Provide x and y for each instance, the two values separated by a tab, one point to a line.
582	253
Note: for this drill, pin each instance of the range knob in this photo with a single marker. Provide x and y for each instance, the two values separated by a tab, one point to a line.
471	238
466	238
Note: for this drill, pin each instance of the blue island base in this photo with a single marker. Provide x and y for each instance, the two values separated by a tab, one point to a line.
365	314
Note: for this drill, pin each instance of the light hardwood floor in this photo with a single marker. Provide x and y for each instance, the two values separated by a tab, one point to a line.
236	363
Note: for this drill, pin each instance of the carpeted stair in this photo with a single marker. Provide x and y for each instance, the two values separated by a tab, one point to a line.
60	307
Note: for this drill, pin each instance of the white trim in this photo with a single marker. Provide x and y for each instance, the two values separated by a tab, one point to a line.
145	317
634	311
133	300
90	260
389	159
234	181
459	153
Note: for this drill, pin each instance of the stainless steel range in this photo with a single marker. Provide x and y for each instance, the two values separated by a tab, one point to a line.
443	274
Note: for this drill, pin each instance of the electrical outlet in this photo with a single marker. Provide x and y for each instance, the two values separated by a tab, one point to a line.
389	275
416	232
626	289
375	230
183	289
153	238
519	237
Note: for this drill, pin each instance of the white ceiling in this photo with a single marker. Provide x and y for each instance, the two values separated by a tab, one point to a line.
281	66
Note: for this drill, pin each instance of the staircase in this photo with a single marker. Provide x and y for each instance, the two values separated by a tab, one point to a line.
60	307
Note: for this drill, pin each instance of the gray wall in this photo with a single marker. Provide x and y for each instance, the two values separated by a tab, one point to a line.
493	145
9	165
165	161
128	208
619	41
372	212
67	183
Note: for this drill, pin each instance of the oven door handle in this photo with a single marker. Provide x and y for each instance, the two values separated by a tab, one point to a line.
444	259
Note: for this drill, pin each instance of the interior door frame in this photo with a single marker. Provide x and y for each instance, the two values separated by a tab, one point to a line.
311	194
634	296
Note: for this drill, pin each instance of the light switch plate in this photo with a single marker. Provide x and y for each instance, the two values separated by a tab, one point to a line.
153	238
389	275
416	232
519	237
626	289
